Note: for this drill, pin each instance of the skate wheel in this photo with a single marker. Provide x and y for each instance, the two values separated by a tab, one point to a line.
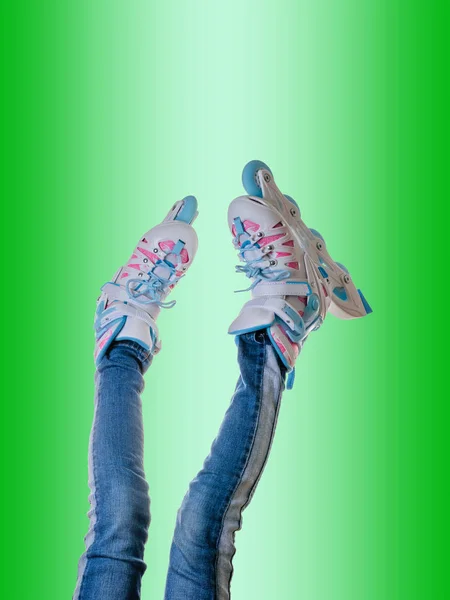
343	267
188	210
249	180
316	233
294	203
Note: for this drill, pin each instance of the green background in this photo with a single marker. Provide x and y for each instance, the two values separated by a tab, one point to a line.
114	110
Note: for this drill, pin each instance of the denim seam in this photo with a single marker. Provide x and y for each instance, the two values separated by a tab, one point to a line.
260	377
272	435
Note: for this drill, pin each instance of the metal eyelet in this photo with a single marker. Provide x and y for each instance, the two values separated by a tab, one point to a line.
155	250
145	260
260	234
273	263
269	248
267	177
140	274
319	245
293	212
346	278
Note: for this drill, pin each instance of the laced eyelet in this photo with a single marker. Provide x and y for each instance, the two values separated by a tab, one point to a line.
260	234
273	263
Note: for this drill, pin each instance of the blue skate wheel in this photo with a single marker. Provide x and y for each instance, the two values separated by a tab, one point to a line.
188	211
293	202
343	267
316	233
249	180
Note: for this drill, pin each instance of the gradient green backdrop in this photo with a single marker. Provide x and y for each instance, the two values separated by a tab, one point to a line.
113	110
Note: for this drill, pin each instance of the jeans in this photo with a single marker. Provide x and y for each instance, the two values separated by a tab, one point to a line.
200	566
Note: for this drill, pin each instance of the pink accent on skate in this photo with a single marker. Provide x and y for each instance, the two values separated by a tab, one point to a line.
124	275
248	226
289	243
168	245
144	240
104	339
279	224
148	254
324	290
270	238
134	266
281	346
303	300
292	265
281	254
134	255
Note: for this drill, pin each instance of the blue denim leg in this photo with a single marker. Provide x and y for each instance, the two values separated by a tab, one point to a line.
211	512
112	566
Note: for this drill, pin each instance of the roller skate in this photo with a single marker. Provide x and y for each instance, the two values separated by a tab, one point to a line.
130	303
294	280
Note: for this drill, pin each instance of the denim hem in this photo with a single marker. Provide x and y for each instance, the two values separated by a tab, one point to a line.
142	354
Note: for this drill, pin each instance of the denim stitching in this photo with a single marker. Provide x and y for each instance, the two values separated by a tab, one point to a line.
260	376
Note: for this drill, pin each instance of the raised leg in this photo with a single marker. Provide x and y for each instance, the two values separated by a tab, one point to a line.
112	566
203	543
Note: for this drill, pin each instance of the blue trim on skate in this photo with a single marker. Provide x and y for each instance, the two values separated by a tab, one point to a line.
188	210
299	325
248	177
366	305
114	334
323	272
341	293
290	380
99	332
178	248
239	225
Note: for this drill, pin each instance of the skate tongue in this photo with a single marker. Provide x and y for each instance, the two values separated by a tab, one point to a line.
162	272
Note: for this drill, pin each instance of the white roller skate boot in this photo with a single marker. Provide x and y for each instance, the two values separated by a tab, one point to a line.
294	279
131	302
